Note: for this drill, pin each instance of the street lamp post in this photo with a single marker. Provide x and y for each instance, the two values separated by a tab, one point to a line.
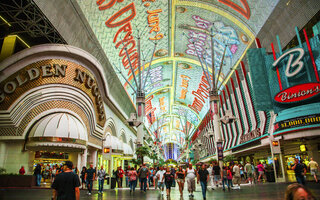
139	91
213	95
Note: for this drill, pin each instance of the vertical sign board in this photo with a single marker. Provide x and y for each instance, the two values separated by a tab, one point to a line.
220	150
139	157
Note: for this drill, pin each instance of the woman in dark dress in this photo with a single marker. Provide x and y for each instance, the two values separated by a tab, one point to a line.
168	179
82	175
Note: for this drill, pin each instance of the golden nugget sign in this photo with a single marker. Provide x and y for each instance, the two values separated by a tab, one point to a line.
52	71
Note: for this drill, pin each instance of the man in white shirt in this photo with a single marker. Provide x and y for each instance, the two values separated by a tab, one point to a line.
159	175
191	175
210	182
236	176
101	177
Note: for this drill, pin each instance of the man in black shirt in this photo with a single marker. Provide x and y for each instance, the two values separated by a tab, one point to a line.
299	171
66	185
90	177
216	173
203	177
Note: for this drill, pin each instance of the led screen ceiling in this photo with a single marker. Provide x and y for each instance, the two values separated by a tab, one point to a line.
176	92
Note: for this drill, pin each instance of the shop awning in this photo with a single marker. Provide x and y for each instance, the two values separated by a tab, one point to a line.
113	142
127	150
58	130
60	125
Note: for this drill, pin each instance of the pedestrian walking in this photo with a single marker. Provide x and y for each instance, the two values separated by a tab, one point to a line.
224	178
101	176
248	169
66	184
150	177
211	176
132	175
143	175
90	177
82	177
168	178
155	179
236	176
203	177
229	177
159	176
261	170
191	176
241	172
120	174
299	171
313	165
173	172
216	170
180	177
126	176
37	173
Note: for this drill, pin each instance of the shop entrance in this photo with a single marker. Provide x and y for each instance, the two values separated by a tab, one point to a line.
49	162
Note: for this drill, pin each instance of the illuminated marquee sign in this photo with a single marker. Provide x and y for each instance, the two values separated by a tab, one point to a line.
297	122
300	92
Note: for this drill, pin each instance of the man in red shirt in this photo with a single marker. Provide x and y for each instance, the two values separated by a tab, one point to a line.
22	171
120	174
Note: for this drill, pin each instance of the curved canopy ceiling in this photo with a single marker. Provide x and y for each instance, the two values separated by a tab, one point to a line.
176	90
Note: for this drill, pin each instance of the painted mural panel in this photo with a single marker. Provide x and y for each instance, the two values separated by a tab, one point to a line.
157	106
160	76
118	24
196	42
181	29
253	13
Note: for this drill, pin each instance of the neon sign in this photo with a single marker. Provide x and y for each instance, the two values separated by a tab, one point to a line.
293	65
298	93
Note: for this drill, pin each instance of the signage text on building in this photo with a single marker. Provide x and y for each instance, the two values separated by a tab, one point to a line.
297	122
250	136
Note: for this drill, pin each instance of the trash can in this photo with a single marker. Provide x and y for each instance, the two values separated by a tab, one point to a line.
270	176
108	185
113	183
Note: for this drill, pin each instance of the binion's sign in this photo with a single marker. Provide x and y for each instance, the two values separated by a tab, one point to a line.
299	92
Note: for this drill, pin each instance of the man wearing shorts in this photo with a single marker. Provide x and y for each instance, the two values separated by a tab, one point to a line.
236	176
313	168
248	170
191	176
261	172
159	175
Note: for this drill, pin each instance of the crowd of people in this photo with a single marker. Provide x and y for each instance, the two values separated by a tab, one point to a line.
208	176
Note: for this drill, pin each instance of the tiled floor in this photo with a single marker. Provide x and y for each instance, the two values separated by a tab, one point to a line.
272	191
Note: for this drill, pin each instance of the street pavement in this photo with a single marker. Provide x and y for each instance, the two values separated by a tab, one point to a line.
266	191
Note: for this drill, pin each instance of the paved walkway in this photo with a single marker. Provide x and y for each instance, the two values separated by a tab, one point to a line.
267	191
